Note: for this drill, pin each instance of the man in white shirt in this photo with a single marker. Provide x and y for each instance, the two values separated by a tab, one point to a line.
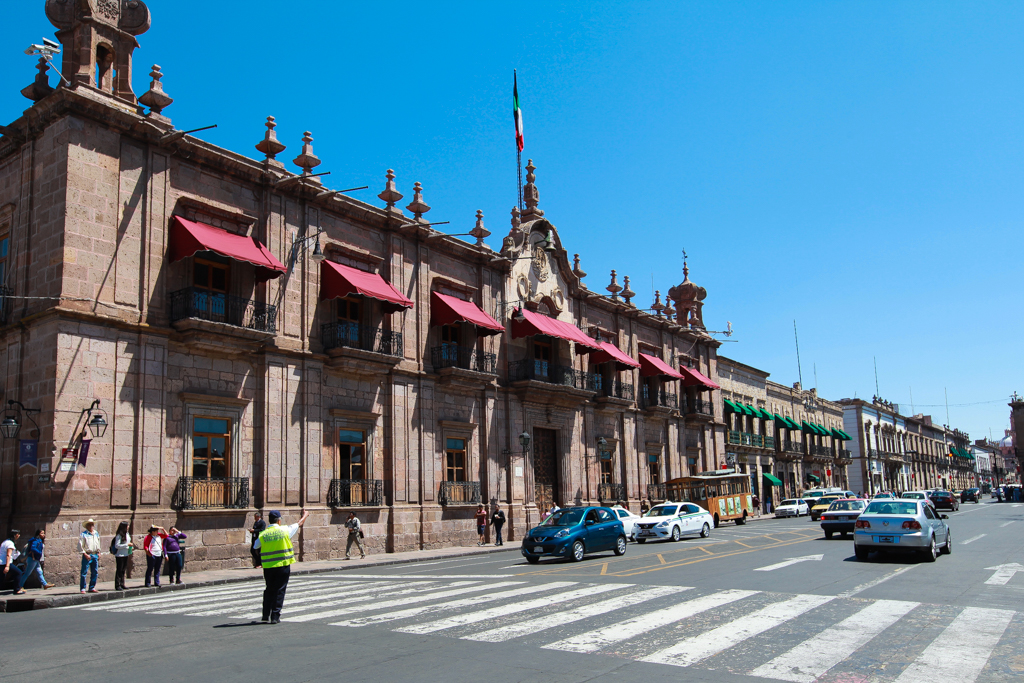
89	546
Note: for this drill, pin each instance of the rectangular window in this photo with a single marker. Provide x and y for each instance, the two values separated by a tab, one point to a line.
210	284
655	472
351	454
5	245
542	351
211	438
455	460
606	471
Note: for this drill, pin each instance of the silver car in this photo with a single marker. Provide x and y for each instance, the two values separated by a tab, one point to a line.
901	526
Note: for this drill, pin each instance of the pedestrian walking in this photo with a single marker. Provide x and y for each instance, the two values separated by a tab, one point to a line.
8	554
257	528
34	560
481	523
154	547
122	548
174	554
277	557
89	547
645	505
756	504
355	535
498	521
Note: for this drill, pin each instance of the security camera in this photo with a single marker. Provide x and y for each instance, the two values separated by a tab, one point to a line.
34	49
52	44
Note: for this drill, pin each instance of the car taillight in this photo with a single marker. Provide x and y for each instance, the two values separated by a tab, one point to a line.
862	524
912	524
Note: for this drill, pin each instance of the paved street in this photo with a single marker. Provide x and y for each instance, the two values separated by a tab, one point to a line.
733	607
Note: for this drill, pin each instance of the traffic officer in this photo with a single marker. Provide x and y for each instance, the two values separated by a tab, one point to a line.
275	547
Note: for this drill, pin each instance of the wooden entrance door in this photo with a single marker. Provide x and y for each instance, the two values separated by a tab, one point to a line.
545	468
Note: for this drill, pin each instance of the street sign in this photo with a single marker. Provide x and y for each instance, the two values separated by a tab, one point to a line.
1003	573
793	560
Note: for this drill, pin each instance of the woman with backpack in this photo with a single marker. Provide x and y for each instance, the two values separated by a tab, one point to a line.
121	547
34	560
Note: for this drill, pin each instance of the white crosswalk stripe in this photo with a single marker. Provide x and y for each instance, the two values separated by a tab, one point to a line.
455	604
530	626
698	648
624	630
961	650
317	594
813	657
513	608
148	603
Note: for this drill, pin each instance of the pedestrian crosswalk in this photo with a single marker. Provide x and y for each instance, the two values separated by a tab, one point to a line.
787	637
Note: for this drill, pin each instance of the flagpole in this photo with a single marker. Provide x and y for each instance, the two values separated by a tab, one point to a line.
519	152
519	173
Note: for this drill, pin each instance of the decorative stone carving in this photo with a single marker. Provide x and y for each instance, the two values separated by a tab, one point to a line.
531	197
417	205
306	160
541	264
109	9
627	293
155	98
131	16
390	195
270	145
40	87
577	271
479	231
614	287
657	306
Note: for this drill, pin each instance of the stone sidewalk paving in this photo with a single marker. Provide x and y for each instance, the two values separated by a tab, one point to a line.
64	596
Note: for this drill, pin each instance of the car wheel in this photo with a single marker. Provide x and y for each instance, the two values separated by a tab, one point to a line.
532	560
947	549
828	535
675	533
741	522
641	541
861	552
705	530
716	521
577	551
620	546
932	552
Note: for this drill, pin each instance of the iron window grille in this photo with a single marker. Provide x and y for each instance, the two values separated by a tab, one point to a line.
355	493
351	335
193	493
203	304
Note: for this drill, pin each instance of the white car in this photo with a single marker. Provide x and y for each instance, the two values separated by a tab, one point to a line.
673	521
628	520
792	507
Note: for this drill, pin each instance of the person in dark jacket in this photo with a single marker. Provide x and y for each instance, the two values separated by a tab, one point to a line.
498	521
258	526
34	560
173	554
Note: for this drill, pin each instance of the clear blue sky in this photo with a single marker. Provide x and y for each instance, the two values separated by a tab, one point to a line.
854	166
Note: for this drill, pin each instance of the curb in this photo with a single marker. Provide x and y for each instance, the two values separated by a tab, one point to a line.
28	604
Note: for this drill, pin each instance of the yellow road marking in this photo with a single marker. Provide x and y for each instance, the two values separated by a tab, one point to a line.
700	547
744	544
662	559
604	569
705	559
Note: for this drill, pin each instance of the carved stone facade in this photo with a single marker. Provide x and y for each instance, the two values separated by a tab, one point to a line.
230	385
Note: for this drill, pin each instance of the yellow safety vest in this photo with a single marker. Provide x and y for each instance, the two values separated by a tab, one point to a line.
276	548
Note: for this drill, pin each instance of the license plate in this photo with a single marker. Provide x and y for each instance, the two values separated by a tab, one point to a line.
886	539
646	533
842	518
538	548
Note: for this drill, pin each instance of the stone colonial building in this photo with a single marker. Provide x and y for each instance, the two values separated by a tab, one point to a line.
241	337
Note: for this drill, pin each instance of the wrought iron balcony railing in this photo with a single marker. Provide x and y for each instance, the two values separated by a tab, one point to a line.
6	304
355	493
465	357
699	407
542	371
611	493
459	493
660	398
193	493
615	388
355	336
222	308
822	451
844	454
792	446
769	442
657	493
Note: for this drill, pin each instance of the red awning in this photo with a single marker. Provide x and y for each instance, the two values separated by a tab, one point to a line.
338	281
695	378
189	237
651	366
535	323
445	310
610	352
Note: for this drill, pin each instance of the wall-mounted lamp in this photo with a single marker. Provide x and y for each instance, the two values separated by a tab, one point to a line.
524	441
602	442
95	420
10	426
300	242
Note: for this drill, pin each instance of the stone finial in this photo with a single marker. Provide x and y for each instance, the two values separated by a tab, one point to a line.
390	195
614	288
516	220
270	145
627	293
531	197
576	270
417	205
479	231
657	306
306	160
668	310
40	87
155	98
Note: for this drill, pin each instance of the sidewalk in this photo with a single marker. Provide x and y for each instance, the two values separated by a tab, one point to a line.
65	596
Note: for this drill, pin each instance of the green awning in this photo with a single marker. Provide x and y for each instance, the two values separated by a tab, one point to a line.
780	421
835	434
729	405
811	477
759	413
843	435
751	410
807	428
767	415
823	429
791	423
773	479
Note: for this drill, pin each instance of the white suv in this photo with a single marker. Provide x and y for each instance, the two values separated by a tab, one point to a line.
673	521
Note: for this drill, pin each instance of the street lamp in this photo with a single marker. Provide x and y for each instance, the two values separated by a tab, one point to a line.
10	426
524	441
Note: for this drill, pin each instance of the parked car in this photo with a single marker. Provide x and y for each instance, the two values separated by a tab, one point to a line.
841	516
574	531
882	494
901	526
822	505
917	495
944	499
792	507
970	495
628	520
673	521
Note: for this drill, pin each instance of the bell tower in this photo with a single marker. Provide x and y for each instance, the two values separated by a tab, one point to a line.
99	38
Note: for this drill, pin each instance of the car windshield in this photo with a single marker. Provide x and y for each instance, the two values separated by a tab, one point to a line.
564	518
825	501
847	505
915	496
891	508
662	511
791	502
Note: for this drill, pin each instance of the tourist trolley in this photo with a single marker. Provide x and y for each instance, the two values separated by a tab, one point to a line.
724	493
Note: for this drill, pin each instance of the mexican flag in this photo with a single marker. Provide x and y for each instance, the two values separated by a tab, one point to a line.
517	113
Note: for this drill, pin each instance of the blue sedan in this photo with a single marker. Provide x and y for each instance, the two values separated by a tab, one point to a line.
573	532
